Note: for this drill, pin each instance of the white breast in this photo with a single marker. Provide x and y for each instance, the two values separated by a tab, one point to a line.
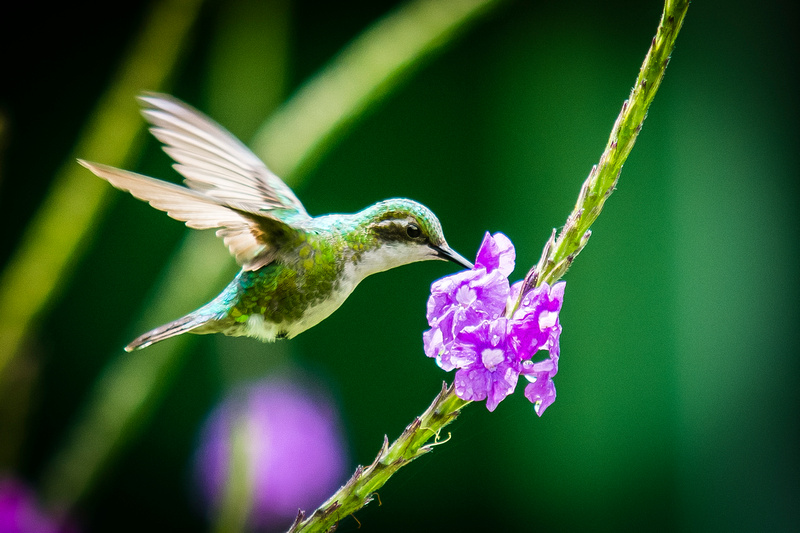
319	312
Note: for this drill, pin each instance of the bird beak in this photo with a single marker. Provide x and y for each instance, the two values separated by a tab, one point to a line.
446	253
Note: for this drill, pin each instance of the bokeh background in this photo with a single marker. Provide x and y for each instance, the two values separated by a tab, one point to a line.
677	403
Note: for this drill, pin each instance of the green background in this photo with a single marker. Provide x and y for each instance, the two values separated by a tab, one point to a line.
677	399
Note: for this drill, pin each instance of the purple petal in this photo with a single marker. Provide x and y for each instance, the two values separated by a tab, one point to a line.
542	393
459	355
458	302
433	343
536	325
471	384
476	383
504	381
557	293
496	253
550	366
490	333
470	342
492	357
492	293
488	368
471	291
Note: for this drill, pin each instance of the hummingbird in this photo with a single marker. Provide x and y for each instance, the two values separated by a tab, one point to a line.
295	269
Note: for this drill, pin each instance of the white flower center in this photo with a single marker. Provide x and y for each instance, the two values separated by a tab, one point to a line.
466	296
491	357
547	319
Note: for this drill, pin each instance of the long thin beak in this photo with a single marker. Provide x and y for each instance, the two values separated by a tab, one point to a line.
448	254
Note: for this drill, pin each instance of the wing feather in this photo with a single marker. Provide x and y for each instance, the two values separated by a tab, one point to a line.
253	238
215	162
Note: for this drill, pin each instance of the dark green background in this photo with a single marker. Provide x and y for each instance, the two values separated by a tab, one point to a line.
677	394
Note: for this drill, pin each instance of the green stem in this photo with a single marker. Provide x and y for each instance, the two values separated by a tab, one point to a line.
361	487
558	254
556	258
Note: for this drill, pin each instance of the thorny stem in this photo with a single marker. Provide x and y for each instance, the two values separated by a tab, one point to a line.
360	489
557	256
559	253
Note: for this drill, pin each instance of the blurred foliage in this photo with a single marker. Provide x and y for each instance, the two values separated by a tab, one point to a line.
677	405
56	235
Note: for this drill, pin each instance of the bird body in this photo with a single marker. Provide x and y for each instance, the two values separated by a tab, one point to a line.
296	269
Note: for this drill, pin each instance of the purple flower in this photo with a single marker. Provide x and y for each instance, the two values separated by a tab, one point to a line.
536	327
535	322
542	391
496	253
290	441
21	513
470	331
488	370
467	298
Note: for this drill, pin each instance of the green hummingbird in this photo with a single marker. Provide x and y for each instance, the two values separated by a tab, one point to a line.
296	269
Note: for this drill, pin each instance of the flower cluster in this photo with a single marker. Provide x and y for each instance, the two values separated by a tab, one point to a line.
472	331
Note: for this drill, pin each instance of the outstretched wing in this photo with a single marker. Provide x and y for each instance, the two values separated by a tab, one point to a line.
252	237
215	162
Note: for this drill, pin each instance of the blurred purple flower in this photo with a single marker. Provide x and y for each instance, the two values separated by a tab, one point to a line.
470	331
293	447
20	512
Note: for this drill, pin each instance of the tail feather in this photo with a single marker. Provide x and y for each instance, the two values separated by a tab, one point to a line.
176	327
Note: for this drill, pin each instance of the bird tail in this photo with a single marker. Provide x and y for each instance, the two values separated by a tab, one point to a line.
176	327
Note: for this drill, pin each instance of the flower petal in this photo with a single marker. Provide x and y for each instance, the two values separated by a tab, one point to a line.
536	325
496	253
542	393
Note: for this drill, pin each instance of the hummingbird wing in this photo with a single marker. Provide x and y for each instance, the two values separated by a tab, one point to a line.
215	162
254	238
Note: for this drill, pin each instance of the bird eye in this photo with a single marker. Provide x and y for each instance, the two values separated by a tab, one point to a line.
413	231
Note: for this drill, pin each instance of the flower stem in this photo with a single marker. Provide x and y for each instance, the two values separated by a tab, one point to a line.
361	487
559	253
